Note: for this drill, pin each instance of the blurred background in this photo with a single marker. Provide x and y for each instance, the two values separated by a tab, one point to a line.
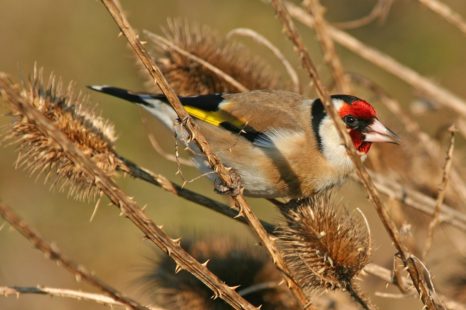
78	41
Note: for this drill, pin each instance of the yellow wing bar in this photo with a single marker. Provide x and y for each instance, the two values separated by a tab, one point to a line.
213	117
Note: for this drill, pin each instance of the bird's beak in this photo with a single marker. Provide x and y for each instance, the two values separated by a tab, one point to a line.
377	132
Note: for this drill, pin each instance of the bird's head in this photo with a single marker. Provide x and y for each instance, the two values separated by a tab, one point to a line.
362	123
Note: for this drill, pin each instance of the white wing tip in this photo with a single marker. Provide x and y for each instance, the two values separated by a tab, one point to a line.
98	87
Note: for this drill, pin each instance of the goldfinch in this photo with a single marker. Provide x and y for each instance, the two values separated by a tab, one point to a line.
281	144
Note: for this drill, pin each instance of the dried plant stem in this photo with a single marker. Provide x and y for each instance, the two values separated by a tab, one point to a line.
226	175
63	293
446	13
228	78
263	41
379	11
328	47
387	63
418	201
131	210
159	180
358	297
425	292
55	255
441	193
258	287
387	276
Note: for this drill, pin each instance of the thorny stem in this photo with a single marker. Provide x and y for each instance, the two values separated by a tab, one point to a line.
328	47
357	296
386	275
425	293
441	193
130	209
54	254
418	201
225	175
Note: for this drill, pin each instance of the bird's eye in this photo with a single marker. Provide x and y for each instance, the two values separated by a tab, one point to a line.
351	121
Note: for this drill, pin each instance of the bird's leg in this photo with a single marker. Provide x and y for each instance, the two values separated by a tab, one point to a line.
234	190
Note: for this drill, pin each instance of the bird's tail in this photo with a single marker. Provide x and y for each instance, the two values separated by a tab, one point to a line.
156	104
144	99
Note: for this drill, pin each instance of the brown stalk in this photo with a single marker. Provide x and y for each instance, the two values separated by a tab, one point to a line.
422	287
386	275
387	63
446	13
224	174
54	254
130	209
246	32
418	201
379	11
328	47
231	260
441	193
63	293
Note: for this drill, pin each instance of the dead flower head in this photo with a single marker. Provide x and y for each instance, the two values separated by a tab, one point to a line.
42	154
188	77
324	246
235	264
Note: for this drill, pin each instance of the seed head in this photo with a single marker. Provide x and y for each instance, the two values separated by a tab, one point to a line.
188	77
324	247
257	277
40	153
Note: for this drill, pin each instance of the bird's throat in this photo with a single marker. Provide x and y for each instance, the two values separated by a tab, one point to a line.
359	143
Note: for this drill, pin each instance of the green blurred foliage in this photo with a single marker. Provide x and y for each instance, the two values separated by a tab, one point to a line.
79	41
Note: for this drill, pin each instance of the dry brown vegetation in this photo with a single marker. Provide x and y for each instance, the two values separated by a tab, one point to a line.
317	256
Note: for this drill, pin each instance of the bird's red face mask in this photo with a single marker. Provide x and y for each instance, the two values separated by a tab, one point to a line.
363	126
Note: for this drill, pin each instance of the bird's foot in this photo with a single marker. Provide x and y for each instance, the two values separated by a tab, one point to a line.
234	190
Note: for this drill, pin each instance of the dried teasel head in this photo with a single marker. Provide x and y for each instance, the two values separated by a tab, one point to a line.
39	152
324	247
235	264
189	77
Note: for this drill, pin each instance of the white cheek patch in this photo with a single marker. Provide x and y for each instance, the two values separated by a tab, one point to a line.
333	148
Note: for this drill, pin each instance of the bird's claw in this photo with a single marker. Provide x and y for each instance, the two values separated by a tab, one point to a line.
234	190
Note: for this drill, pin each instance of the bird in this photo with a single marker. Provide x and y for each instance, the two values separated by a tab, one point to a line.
279	143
